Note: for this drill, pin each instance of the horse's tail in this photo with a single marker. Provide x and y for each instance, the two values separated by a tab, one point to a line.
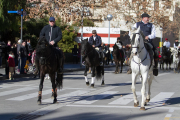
59	81
98	72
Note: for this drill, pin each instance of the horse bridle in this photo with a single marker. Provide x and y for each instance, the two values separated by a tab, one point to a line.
134	35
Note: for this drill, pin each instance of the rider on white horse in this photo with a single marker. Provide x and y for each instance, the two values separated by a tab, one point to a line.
149	32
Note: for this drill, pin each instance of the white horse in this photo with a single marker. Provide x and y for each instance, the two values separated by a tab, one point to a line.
141	65
176	58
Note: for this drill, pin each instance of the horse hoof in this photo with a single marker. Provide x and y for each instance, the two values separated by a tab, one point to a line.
147	100
142	108
102	83
39	102
55	101
87	83
92	85
136	104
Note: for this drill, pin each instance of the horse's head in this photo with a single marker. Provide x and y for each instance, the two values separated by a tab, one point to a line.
42	45
85	46
137	39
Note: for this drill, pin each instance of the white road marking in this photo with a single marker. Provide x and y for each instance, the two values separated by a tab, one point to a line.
65	97
95	98
29	96
161	98
53	107
171	110
162	74
125	99
110	106
16	91
168	115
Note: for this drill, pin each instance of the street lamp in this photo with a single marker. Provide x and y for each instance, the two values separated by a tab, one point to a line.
161	29
109	17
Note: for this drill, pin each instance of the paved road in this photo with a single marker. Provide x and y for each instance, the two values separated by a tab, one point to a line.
76	101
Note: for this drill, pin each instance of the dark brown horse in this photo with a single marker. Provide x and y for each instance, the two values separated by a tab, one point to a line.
92	60
118	56
166	58
48	61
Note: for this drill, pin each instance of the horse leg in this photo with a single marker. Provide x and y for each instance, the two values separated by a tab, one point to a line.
102	79
121	66
149	87
93	76
40	88
117	67
143	91
85	75
54	88
133	88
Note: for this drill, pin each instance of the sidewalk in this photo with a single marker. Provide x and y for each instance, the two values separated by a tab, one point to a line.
68	67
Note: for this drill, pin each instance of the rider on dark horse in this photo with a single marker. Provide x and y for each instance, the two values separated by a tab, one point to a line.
96	41
167	43
149	32
53	35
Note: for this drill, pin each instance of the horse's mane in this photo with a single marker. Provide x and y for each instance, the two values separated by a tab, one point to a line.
134	36
39	50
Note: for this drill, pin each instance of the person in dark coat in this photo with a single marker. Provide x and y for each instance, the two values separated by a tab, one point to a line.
19	55
14	50
23	53
30	50
8	49
75	54
2	50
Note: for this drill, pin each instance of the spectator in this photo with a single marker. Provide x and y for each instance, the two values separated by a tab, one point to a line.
23	52
2	48
11	63
8	49
18	53
30	50
14	50
75	54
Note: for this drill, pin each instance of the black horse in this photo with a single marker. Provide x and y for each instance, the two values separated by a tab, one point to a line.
92	60
118	56
107	54
166	58
48	61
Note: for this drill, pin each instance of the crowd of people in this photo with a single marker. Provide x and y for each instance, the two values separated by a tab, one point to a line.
15	56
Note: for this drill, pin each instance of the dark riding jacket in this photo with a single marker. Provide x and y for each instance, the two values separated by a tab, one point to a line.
146	28
51	33
97	41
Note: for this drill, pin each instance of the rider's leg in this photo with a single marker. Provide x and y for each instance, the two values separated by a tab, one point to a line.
60	60
155	70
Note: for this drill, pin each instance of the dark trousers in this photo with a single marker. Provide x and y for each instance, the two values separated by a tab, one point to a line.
23	63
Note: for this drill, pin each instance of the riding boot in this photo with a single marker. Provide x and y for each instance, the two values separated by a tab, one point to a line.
155	69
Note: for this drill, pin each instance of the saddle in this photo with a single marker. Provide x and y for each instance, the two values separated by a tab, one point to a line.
150	51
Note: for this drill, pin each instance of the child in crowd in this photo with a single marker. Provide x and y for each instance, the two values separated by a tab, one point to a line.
11	63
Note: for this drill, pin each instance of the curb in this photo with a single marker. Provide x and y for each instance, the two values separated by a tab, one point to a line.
4	77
